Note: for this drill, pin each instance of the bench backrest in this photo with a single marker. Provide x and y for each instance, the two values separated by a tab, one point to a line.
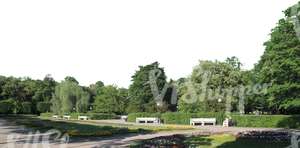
203	119
82	116
148	119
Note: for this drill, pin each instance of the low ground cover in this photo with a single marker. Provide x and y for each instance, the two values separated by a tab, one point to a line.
212	141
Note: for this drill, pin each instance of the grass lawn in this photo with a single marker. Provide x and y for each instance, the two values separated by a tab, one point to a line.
77	128
73	129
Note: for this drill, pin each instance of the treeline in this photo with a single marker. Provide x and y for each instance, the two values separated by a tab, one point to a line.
272	86
28	96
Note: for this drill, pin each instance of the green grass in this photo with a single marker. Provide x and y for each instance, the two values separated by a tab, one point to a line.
73	129
76	128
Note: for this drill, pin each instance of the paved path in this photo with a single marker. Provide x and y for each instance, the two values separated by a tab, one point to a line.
7	129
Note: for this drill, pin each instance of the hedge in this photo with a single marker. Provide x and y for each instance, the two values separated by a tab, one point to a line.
178	117
184	118
7	106
279	121
271	121
93	116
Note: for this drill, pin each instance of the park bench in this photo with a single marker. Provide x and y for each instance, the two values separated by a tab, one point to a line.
148	120
66	117
203	121
83	117
124	118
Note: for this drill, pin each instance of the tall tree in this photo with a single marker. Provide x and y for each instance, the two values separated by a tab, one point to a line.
280	65
209	84
140	93
69	97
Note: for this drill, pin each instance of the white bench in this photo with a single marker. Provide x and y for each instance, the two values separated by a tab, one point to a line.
67	117
202	121
55	116
124	118
83	117
148	120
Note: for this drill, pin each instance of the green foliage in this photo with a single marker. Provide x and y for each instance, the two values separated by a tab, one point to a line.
43	107
111	100
280	65
26	90
71	79
178	117
272	121
184	118
26	108
69	97
7	106
219	77
102	116
46	115
140	94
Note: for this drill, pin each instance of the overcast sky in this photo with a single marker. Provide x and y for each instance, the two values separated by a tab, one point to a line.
107	40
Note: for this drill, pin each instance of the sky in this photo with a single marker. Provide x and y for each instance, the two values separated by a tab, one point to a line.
107	40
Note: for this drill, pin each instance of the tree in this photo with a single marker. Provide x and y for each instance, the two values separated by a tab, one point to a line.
209	85
280	66
140	93
95	89
69	97
111	100
72	79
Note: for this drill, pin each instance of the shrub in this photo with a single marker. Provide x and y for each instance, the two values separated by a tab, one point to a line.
95	116
102	116
7	106
283	121
46	115
43	107
184	118
26	107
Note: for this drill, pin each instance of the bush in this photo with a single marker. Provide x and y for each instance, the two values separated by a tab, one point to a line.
282	121
178	117
133	116
26	108
102	116
46	115
184	118
7	106
43	107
